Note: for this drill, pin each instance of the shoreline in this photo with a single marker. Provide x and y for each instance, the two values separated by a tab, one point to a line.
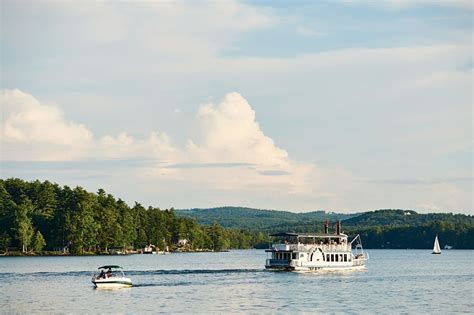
57	254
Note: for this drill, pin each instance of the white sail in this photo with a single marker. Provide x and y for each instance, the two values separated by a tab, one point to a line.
436	248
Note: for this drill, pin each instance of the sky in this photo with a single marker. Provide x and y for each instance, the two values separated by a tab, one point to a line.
342	106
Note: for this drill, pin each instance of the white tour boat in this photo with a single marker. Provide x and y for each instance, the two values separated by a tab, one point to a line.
111	276
316	252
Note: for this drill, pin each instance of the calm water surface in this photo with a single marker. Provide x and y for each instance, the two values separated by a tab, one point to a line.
396	281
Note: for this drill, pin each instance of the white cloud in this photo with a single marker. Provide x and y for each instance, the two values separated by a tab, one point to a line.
35	131
230	133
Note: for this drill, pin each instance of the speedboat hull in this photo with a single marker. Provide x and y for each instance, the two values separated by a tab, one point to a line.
112	282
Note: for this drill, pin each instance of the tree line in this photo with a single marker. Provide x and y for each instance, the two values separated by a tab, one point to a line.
36	216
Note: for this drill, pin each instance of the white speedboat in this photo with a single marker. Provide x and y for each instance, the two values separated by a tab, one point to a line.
316	252
111	276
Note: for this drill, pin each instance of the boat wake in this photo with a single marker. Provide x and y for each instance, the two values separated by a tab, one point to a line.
46	274
193	271
167	284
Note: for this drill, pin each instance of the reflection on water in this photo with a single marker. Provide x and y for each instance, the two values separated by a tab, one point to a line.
395	281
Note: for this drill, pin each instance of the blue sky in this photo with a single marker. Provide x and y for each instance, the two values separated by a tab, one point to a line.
337	105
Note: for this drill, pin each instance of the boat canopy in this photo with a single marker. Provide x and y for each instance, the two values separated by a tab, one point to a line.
110	266
284	234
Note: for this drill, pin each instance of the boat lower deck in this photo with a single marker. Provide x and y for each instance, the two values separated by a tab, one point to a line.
315	268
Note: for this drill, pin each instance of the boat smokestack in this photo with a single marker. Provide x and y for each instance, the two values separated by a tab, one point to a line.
338	227
326	227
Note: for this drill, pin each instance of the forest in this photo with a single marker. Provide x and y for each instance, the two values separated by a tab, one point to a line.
43	216
258	219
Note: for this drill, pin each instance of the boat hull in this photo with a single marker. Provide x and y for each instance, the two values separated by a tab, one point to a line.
112	283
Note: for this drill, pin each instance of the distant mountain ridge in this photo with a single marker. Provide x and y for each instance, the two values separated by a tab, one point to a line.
258	219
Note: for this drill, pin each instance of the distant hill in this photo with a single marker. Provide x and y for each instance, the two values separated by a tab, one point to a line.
262	220
391	217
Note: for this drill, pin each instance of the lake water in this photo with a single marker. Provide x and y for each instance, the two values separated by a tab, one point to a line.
396	281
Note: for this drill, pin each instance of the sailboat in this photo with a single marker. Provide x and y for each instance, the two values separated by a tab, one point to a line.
436	248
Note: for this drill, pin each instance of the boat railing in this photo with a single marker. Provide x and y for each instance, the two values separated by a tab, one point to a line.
312	247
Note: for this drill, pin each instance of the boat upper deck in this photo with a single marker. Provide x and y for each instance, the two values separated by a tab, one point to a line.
310	247
311	235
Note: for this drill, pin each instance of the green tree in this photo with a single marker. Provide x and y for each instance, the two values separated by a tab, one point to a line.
5	241
140	222
129	229
218	236
24	227
110	231
81	225
38	242
7	213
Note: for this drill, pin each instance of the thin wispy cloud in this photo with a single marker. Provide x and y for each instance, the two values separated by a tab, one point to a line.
406	4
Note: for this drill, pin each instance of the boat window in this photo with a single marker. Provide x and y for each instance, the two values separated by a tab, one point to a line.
328	257
337	257
345	257
332	257
301	255
293	256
